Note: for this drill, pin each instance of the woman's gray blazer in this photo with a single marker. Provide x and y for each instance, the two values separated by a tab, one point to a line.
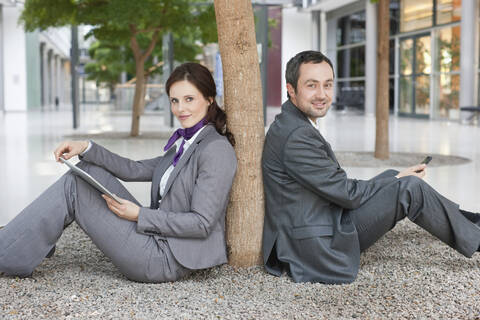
191	214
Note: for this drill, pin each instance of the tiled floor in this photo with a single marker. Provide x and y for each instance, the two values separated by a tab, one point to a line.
27	141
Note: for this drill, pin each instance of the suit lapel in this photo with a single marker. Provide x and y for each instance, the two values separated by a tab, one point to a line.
295	112
186	156
160	170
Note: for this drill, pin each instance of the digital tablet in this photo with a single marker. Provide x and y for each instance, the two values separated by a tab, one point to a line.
90	180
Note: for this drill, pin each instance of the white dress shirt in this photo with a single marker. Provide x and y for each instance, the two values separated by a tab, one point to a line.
166	175
314	124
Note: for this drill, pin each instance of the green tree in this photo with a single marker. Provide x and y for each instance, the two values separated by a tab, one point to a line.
108	63
136	26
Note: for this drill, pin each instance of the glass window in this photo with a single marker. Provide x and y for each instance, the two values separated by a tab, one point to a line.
351	62
351	29
406	57
448	46
391	94
415	14
350	94
448	11
422	94
394	16
448	92
423	56
391	57
405	103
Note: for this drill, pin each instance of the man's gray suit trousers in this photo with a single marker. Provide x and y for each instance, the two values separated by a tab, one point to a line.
413	198
28	238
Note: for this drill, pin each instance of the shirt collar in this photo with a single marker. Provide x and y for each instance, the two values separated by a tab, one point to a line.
314	124
189	141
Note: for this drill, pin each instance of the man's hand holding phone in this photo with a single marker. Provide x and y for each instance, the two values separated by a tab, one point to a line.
425	162
418	170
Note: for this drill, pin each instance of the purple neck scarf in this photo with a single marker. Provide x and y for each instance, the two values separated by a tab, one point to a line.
186	133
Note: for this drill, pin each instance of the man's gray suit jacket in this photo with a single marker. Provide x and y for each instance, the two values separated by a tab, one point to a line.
307	232
191	214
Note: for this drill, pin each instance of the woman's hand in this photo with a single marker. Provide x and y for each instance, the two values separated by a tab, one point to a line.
70	149
126	209
419	171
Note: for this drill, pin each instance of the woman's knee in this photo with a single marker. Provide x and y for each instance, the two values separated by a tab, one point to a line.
92	168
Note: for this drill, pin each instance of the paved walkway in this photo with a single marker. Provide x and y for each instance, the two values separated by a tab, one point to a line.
27	141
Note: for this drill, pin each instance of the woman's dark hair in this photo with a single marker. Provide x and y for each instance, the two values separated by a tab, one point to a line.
202	79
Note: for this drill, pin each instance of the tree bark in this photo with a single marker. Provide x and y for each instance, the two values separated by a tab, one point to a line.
145	91
243	105
140	58
382	107
138	98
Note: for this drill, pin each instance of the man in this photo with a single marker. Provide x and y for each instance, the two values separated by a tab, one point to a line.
317	220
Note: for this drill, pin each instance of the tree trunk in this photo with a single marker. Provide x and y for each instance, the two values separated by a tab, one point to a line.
243	104
138	98
382	112
140	58
145	91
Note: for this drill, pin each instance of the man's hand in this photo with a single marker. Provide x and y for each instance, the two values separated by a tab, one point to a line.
69	149
126	209
419	171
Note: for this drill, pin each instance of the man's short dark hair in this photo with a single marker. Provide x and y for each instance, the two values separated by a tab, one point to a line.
293	66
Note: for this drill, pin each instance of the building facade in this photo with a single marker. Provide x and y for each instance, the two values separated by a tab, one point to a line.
434	56
34	67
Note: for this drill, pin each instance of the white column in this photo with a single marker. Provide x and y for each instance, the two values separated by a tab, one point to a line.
315	16
468	67
58	82
296	37
2	106
44	70
14	55
54	78
323	32
51	77
370	58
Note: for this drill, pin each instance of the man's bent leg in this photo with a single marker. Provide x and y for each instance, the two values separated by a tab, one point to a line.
438	215
377	216
413	198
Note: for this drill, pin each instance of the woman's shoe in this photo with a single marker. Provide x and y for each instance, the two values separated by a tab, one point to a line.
52	251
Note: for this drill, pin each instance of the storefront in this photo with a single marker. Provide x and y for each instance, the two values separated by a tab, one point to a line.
424	55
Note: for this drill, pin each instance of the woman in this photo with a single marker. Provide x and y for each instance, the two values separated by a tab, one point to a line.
184	227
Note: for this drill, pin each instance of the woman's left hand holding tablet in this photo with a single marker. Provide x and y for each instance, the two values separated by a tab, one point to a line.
125	210
69	149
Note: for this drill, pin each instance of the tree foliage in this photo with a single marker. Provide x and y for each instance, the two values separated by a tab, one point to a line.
129	31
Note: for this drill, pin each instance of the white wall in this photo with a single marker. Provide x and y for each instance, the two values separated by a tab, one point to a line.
15	82
297	36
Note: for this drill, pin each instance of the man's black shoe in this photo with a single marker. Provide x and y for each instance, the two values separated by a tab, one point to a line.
474	217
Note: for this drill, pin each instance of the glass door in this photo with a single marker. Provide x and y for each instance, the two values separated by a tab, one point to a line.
415	69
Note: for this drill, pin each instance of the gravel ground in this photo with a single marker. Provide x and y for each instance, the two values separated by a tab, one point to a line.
407	274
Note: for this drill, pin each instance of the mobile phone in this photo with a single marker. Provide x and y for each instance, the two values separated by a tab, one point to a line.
426	160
